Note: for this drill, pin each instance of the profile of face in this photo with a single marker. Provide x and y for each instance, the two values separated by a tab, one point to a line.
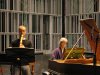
63	44
22	30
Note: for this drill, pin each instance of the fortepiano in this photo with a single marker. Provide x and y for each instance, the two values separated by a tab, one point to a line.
80	66
56	67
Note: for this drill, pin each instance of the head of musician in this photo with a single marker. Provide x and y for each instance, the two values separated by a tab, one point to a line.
63	43
58	53
22	30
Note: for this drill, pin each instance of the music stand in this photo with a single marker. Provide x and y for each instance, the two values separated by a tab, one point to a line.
20	56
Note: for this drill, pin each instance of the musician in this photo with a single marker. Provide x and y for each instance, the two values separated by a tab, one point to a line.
59	52
25	42
22	42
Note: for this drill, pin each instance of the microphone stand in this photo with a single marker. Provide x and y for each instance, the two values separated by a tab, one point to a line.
96	45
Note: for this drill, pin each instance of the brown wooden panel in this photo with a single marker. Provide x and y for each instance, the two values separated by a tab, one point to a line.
89	25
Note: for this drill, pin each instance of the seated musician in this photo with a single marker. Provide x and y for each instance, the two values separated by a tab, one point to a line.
59	52
22	42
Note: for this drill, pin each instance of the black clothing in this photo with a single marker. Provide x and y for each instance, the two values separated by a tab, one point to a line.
25	42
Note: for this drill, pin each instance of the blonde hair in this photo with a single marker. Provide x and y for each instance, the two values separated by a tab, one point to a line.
22	26
63	39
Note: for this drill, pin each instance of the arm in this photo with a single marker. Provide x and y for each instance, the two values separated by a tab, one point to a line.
54	55
29	44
